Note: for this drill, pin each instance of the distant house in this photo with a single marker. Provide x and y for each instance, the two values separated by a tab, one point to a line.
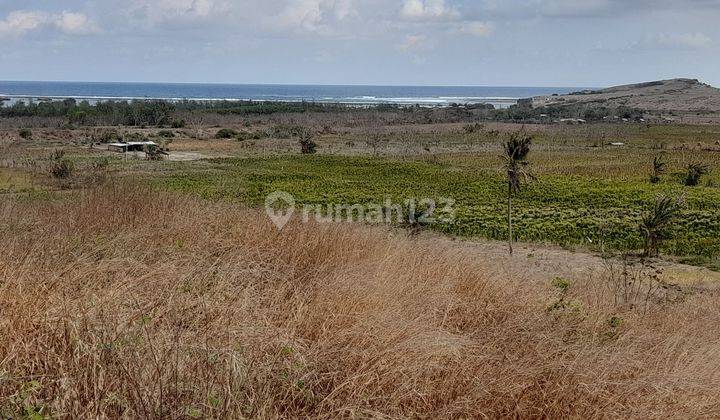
133	146
572	121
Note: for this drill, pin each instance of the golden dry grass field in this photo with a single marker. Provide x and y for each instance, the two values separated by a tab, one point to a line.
160	289
123	302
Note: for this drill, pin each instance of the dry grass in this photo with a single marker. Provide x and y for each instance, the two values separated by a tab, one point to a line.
125	303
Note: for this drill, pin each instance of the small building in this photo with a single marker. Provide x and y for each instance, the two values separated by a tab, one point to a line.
572	121
133	146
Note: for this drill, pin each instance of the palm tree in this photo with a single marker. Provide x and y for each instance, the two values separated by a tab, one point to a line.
516	151
656	221
658	169
695	172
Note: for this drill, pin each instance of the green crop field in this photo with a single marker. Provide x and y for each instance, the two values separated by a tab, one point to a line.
588	198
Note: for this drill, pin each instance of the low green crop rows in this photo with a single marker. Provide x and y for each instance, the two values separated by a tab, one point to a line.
595	212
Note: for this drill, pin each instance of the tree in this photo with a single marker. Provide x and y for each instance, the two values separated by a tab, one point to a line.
656	221
658	169
516	151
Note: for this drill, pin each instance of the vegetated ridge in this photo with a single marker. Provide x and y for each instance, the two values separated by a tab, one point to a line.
683	95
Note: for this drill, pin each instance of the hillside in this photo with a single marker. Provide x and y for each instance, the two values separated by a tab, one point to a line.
682	95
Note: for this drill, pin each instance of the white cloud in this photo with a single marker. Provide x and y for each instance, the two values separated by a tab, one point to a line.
21	22
480	29
312	16
75	24
428	10
184	11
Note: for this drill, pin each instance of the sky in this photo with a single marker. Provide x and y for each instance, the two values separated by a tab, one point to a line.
592	43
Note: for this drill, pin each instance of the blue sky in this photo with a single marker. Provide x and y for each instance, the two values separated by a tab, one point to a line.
424	42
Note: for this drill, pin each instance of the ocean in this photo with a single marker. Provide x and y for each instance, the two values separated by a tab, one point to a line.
354	94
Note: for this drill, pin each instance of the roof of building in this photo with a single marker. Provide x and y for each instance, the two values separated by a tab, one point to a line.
134	143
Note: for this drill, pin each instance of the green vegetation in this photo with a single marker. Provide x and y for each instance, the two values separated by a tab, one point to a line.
307	142
567	209
226	133
174	113
695	172
657	220
658	169
166	134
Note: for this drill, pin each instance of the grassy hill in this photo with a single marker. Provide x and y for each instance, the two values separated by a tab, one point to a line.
686	95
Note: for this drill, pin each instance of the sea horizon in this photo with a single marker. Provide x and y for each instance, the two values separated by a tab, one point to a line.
501	96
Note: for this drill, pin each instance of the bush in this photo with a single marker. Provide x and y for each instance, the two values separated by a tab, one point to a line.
77	118
25	133
472	128
226	133
153	152
695	172
307	143
128	137
166	134
285	131
255	135
60	167
178	124
109	136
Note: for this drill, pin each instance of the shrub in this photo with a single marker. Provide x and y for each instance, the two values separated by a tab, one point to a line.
561	284
695	172
177	124
153	152
307	143
128	137
472	128
77	118
60	167
166	134
109	136
255	135
226	133
285	131
25	133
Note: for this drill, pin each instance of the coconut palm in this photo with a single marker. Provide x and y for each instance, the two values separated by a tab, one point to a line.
695	172
658	169
656	221
516	151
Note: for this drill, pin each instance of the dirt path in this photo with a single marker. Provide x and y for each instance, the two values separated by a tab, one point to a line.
543	263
